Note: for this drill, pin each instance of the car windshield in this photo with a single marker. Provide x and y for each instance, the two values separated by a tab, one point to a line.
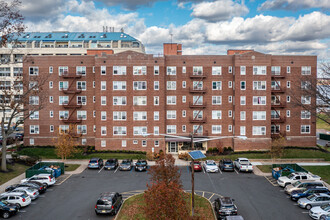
93	161
229	207
244	161
227	162
326	207
125	162
30	189
296	183
311	197
210	163
196	163
291	175
110	162
141	163
3	203
102	202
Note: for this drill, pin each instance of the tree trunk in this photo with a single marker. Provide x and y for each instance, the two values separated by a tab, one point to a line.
4	148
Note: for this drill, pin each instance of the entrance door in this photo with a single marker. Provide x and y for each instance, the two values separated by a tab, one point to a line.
172	147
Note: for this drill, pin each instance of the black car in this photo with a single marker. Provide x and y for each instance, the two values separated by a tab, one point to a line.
108	203
111	164
141	165
126	164
7	209
95	163
224	207
39	186
226	165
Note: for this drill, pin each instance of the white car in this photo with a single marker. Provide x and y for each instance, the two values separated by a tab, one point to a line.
317	211
32	192
210	166
17	198
44	178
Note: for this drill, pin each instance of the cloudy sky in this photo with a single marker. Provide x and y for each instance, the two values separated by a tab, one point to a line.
203	27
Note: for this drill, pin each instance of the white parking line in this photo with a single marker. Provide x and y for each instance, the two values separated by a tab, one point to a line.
305	212
203	169
211	197
295	204
281	190
22	211
101	169
220	170
50	190
42	196
236	171
116	169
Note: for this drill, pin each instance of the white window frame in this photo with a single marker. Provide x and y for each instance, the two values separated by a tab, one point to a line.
216	129
243	70
139	70
216	70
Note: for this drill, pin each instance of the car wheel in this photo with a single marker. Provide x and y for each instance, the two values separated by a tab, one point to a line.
45	184
97	213
308	207
18	205
5	215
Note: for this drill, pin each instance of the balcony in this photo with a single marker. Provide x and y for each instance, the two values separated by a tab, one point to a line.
278	120
201	134
197	90
197	105
67	75
277	75
71	91
72	121
197	76
278	105
197	120
278	89
68	105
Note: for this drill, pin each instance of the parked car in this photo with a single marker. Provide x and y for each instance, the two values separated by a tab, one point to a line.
318	211
19	136
141	165
302	185
210	166
32	192
111	164
36	185
95	163
224	207
108	203
295	195
316	199
294	177
7	209
44	178
325	217
243	164
125	164
18	199
197	166
226	164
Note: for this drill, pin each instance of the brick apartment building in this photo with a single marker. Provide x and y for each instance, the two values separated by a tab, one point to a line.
116	99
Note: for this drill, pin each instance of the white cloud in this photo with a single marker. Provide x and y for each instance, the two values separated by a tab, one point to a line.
219	10
36	9
129	4
294	4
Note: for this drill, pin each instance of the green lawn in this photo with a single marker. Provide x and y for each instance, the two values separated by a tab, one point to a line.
265	168
71	167
132	208
320	124
15	170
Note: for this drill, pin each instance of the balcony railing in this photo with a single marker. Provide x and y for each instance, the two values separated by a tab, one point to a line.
278	89
67	75
71	91
278	105
73	121
71	105
277	75
197	120
278	135
197	90
197	75
278	120
197	105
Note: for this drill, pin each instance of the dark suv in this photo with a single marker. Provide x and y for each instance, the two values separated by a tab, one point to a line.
95	163
224	207
226	164
111	164
295	195
7	209
141	165
108	203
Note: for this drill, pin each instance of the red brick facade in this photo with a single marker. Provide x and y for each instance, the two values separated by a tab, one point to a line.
230	73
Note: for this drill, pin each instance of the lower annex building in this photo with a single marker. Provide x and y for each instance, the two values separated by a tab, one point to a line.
137	101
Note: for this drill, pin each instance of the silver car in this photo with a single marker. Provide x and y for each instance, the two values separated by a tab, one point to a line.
316	199
318	211
210	166
302	185
32	192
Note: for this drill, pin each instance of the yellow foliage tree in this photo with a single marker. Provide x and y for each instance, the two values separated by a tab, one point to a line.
66	142
277	149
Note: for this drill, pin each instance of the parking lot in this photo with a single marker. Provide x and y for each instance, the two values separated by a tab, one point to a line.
255	196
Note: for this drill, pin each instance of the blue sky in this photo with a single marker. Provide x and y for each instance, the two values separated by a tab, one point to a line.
203	27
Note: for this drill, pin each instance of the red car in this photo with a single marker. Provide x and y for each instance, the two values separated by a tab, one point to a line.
197	166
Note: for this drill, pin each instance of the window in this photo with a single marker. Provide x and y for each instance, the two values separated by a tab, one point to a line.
139	70
81	85
139	116
103	85
119	116
103	70
119	100
139	100
243	100
197	70
63	85
259	85
34	129
93	69
306	85
275	114
81	129
259	115
51	128
119	85
288	84
242	130
171	100
34	115
171	85
144	143
103	115
276	70
6	85
103	130
243	85
156	70
230	113
197	114
305	129
216	129
156	130
230	128
259	100
141	130
63	115
94	99
81	100
230	84
184	99
51	114
63	129
139	85
34	100
216	114
156	143
93	84
184	128
81	115
306	99
184	69
288	69
184	84
242	115
184	113
171	70
135	141
230	99
216	70
103	100
198	100
51	69
63	70
230	69
5	71
216	85
171	129
216	100
31	141
119	70
81	70
33	71
171	114
156	116
156	85
198	129
156	100
305	114
259	130
305	70
288	128
94	113
259	70
243	70
288	98
103	143
51	84
123	143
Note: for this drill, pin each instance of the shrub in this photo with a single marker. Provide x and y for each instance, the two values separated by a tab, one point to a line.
150	156
184	156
